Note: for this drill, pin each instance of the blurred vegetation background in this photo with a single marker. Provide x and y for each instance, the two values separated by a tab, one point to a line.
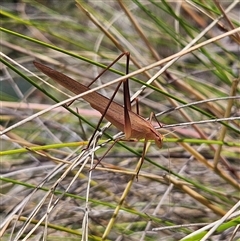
193	178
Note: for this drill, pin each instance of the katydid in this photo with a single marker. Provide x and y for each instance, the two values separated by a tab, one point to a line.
133	125
139	127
